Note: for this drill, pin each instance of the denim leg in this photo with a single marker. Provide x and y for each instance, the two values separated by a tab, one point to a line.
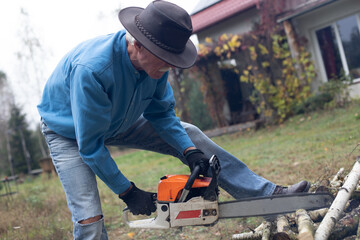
79	184
235	177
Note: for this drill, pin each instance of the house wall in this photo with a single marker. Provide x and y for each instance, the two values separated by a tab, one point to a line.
241	23
308	23
238	24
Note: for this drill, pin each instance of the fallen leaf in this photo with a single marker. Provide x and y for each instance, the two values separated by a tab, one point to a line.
131	234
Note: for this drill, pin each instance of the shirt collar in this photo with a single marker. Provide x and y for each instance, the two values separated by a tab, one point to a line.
128	61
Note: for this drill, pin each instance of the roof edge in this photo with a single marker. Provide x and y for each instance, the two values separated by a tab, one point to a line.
210	22
302	12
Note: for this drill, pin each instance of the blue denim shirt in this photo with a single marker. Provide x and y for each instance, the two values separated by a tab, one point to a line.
95	93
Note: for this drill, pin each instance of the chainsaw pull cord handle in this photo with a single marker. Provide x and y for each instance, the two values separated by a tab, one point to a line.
189	183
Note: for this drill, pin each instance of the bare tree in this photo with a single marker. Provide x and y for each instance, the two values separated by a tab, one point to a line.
32	58
6	100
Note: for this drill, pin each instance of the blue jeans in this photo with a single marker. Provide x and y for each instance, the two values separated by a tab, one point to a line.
79	182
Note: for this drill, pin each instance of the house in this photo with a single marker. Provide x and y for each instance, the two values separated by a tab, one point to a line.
331	28
215	17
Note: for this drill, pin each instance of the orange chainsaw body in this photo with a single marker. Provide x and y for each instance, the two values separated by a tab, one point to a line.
171	186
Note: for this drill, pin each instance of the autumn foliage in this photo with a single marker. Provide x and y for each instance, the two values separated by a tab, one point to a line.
279	82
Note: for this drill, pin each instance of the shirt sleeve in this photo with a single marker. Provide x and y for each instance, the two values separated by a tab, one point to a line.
162	117
91	110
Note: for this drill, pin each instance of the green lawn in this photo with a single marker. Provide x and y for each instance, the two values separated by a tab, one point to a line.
310	147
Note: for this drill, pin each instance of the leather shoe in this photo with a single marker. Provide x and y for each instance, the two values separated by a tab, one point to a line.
299	187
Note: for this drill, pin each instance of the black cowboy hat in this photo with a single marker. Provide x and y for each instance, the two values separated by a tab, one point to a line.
164	29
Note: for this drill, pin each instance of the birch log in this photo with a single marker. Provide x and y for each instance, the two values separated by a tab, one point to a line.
346	226
337	207
282	224
318	215
248	236
267	231
283	229
256	234
305	225
338	175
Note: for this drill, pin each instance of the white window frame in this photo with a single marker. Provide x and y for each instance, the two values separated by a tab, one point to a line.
340	45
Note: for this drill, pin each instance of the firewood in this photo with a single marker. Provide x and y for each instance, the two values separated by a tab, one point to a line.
346	226
261	227
337	176
340	221
282	236
282	224
283	229
337	207
305	225
256	234
336	184
248	236
267	231
318	215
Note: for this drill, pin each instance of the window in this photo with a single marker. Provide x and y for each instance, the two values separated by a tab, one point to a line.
340	47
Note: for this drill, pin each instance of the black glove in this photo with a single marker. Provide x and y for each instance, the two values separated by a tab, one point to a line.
195	157
139	201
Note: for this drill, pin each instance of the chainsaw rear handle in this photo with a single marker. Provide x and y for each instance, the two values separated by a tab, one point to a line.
211	192
214	166
194	174
192	178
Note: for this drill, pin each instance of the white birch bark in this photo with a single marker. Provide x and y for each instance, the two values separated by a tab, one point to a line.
305	225
337	207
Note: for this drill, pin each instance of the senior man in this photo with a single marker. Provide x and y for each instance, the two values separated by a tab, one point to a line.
113	90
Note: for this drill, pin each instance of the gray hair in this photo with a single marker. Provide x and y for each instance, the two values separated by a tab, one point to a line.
130	38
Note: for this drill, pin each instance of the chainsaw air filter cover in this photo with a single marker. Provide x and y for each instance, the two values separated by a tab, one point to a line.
171	186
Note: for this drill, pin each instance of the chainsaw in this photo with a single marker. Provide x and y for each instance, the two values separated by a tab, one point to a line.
190	200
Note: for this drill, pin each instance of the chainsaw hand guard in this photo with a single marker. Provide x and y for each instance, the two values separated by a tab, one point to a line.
195	157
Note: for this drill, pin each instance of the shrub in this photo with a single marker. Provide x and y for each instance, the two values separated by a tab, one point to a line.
338	89
279	81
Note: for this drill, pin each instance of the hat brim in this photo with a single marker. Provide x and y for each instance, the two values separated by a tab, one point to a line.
185	59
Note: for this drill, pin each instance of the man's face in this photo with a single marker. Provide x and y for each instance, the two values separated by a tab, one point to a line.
152	65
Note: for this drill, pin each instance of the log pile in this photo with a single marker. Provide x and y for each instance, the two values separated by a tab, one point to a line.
340	221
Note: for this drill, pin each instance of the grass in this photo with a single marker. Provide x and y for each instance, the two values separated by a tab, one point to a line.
311	147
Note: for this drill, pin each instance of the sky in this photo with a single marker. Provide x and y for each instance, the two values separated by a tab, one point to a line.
59	25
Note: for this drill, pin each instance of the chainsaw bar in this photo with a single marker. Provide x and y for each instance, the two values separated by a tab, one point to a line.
274	205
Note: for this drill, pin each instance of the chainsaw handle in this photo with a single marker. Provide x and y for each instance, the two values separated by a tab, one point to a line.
194	174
